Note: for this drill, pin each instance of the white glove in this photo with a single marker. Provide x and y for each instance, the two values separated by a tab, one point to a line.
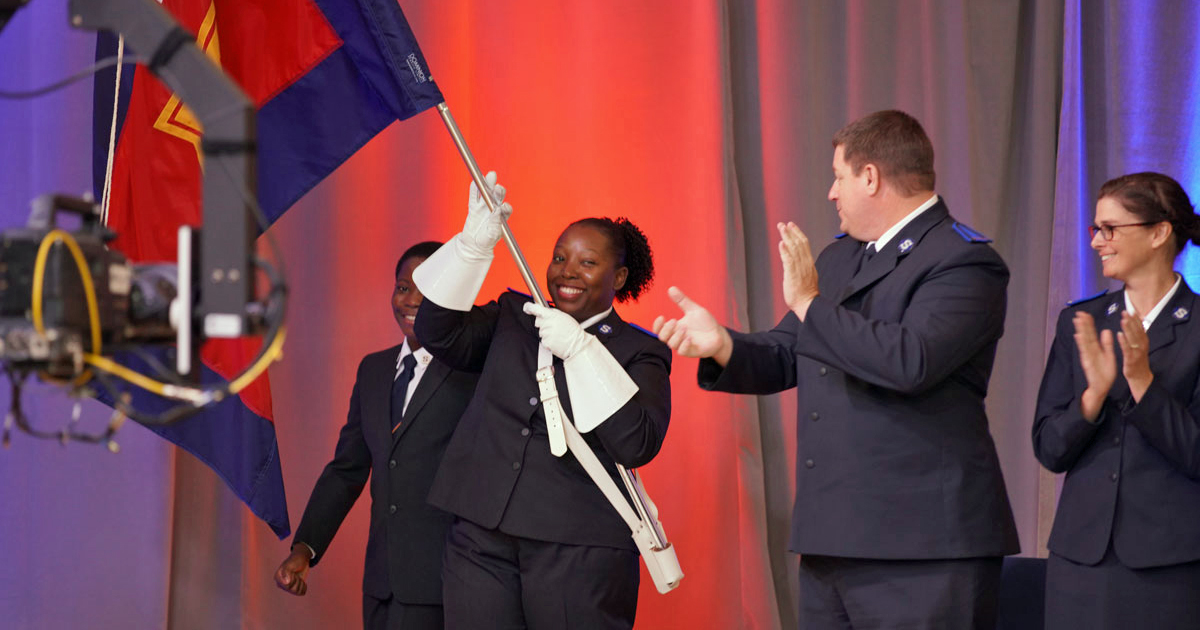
483	228
599	385
453	275
560	333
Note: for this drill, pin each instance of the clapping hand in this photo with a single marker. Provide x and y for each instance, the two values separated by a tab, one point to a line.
1135	350
1099	361
799	269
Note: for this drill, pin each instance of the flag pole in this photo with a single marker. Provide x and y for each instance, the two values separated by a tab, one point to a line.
632	483
461	143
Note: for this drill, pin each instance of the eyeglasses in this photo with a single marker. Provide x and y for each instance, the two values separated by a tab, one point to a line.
1106	231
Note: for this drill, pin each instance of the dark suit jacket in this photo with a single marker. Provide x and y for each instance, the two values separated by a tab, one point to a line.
404	547
498	471
1133	477
893	459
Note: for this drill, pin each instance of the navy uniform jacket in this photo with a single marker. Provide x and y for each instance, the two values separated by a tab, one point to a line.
891	365
404	547
498	471
1133	477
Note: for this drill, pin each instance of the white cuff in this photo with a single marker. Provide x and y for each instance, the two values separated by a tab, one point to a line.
453	275
599	386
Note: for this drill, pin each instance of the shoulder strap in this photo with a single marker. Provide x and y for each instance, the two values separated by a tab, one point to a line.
651	540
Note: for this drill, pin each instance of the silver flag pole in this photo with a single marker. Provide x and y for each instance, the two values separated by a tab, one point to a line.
632	484
461	143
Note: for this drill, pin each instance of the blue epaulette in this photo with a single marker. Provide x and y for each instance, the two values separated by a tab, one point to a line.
842	235
969	234
1086	299
522	293
636	327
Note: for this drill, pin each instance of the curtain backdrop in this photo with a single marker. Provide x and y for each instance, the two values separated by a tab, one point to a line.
706	123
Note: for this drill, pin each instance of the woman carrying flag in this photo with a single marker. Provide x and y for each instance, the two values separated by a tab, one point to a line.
535	543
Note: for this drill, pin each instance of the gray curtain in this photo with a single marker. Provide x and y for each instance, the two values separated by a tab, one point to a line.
1030	105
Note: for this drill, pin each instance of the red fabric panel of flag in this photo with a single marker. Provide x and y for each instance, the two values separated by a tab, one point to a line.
297	60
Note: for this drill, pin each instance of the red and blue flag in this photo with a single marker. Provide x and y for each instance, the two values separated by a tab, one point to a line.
326	76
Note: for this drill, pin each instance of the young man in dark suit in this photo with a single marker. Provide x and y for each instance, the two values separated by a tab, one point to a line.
901	514
403	410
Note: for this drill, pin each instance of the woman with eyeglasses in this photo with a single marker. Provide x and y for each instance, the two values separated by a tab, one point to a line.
1119	412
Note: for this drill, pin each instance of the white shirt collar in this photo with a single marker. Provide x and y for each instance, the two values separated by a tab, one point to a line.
880	242
585	324
1149	318
422	355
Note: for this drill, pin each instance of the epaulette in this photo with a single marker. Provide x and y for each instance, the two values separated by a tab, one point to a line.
842	235
521	293
969	234
1086	299
639	328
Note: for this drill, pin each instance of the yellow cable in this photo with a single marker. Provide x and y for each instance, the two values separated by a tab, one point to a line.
89	289
274	351
191	394
137	378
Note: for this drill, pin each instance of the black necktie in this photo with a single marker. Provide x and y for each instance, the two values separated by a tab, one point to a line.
867	254
408	365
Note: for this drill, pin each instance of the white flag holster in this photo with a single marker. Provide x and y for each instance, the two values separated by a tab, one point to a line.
555	415
660	559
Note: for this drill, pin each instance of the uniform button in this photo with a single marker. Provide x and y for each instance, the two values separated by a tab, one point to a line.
808	463
533	401
525	432
1113	476
822	371
1116	441
815	416
391	509
516	465
392	464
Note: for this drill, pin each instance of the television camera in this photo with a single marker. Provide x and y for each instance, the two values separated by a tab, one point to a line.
72	309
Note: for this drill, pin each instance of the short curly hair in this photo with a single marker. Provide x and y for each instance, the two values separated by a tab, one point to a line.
632	250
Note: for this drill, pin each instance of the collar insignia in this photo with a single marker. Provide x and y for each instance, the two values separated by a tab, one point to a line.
605	328
1112	308
1180	313
905	245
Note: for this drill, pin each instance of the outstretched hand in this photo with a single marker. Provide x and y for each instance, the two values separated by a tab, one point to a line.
696	333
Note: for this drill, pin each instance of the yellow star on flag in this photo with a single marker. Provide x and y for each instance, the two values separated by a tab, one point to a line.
176	118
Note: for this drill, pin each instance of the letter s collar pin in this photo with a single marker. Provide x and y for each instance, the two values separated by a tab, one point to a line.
906	245
1180	313
605	328
1112	308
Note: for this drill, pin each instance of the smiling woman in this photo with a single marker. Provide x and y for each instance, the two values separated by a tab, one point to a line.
1119	412
406	297
595	261
528	520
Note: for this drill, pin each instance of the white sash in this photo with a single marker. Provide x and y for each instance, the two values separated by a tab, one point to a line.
661	561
